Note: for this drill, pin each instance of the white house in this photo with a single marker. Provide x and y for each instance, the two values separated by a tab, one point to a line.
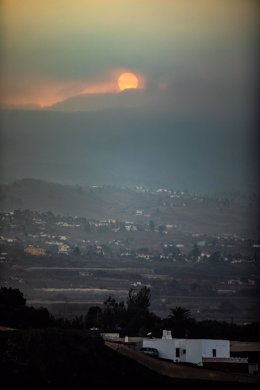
188	350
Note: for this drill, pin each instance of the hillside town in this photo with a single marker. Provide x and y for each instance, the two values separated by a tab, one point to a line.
85	259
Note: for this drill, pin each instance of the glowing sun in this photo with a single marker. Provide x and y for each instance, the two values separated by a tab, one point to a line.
127	80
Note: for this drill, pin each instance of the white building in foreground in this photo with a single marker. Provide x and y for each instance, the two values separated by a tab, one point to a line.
188	350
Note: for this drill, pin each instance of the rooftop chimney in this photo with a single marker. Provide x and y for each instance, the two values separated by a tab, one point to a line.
167	334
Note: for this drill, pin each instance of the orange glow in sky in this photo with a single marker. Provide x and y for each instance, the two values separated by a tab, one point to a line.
54	50
45	93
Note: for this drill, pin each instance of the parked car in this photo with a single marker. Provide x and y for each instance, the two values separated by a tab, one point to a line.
150	351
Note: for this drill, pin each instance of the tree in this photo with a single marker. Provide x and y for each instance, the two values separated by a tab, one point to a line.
76	250
15	313
93	317
87	227
151	225
35	318
161	228
180	314
114	315
138	315
77	322
11	298
215	257
139	299
180	321
195	252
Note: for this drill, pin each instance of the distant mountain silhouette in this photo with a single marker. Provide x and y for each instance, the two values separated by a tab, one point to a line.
95	102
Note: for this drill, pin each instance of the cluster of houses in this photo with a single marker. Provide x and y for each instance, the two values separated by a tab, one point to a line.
66	228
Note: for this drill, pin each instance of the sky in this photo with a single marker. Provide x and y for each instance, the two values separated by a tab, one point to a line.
185	53
189	123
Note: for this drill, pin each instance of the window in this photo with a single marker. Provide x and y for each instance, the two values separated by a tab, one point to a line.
177	352
184	351
214	352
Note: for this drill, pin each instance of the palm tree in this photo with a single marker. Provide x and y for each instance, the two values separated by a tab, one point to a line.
180	321
180	314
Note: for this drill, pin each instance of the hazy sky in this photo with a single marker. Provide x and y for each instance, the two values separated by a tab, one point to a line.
190	124
186	53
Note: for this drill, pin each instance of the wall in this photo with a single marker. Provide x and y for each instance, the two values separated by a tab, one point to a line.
195	349
166	348
222	348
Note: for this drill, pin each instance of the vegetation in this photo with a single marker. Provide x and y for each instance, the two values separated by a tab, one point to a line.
66	359
15	313
131	318
71	354
180	321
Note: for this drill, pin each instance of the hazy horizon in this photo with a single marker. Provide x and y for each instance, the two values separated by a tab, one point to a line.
129	148
184	116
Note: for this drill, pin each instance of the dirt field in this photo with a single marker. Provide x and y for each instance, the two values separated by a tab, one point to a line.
244	346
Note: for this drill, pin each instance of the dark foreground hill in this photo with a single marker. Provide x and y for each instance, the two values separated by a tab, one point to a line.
66	359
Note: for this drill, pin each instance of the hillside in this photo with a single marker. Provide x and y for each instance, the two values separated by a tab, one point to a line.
188	214
54	359
66	359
